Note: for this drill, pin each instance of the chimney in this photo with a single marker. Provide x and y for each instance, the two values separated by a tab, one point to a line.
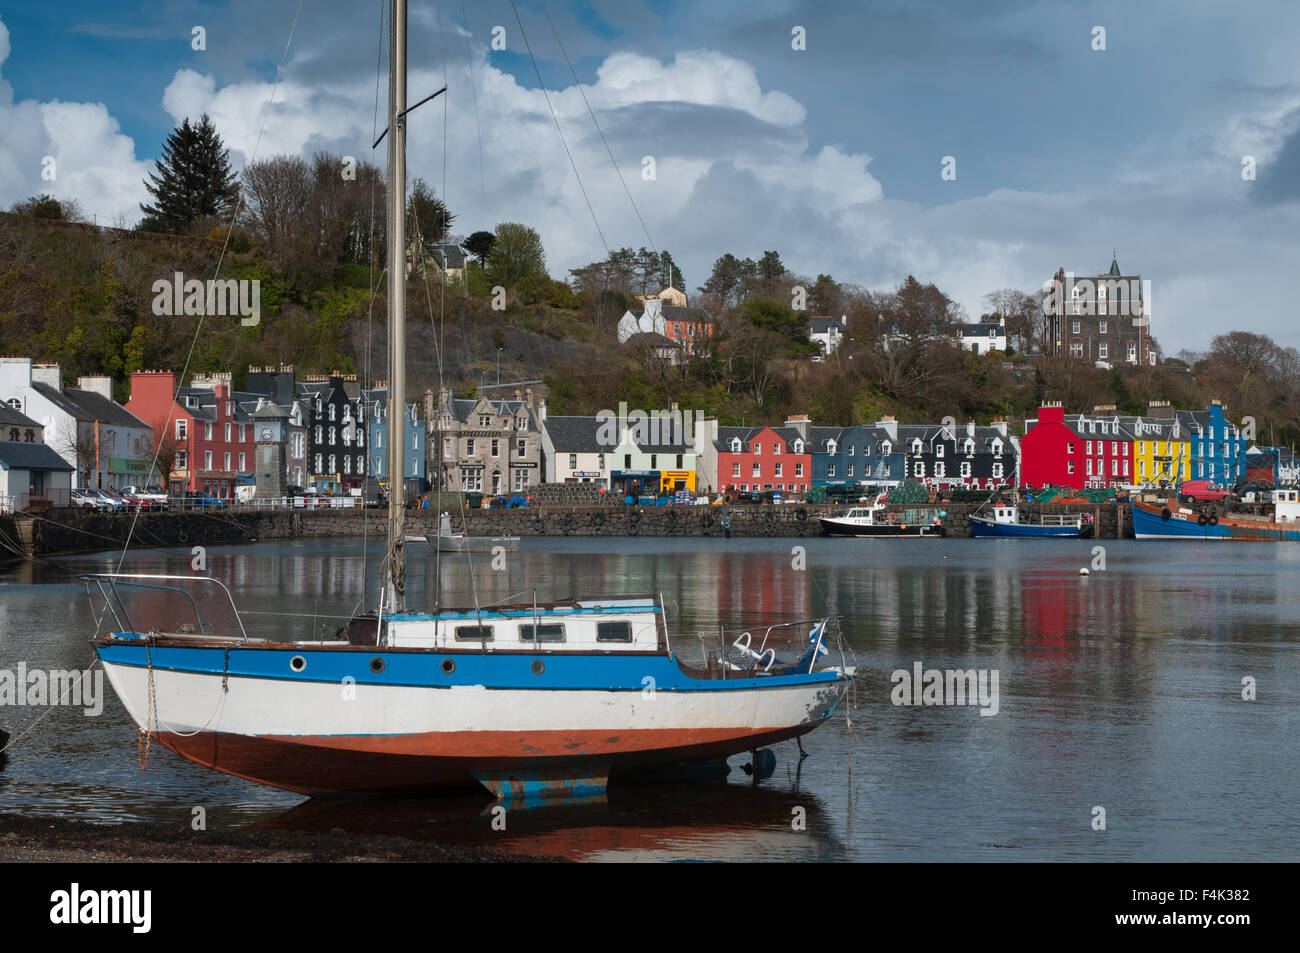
541	410
100	384
1100	409
1051	412
1000	426
428	404
1160	409
890	426
528	396
800	423
48	374
970	427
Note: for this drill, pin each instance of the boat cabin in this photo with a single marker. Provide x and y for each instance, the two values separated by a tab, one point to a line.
1286	505
612	625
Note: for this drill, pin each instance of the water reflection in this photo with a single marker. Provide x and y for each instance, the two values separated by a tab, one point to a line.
1122	688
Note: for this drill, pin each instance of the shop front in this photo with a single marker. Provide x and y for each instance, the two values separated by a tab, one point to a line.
634	483
672	481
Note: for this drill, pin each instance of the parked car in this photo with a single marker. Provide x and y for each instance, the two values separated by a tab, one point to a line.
133	500
1202	491
110	502
156	495
201	501
86	500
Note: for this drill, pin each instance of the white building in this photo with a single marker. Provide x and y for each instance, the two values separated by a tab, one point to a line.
106	445
828	332
29	470
982	338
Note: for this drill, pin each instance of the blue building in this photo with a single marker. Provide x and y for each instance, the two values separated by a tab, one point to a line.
1218	448
377	424
858	455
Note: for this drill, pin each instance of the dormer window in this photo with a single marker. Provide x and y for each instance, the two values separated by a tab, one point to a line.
886	448
916	447
735	445
798	446
830	447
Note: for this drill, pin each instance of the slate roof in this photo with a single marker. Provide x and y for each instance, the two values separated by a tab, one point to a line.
98	407
823	325
59	400
31	456
15	418
575	435
981	330
462	407
446	255
747	434
675	312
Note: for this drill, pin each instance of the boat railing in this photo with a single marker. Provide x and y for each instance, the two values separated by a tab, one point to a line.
118	594
778	646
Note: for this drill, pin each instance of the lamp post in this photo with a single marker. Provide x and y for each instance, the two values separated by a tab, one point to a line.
498	367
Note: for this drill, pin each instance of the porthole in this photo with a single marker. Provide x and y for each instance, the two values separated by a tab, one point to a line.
376	665
448	666
297	663
538	666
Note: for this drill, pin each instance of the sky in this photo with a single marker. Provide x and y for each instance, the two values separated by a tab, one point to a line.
1166	133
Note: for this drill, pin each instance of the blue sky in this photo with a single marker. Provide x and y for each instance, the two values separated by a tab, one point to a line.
832	154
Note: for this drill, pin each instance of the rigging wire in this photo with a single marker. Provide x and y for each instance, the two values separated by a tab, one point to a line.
546	94
596	123
473	87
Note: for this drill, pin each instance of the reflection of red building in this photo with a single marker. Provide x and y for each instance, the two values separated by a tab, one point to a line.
753	459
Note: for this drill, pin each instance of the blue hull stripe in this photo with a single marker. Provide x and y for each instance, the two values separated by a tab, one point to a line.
424	669
1150	524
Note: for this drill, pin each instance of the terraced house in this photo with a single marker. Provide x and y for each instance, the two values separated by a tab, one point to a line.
1217	445
484	446
970	456
851	456
336	433
752	459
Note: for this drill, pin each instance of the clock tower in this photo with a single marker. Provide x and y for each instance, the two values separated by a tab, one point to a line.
270	431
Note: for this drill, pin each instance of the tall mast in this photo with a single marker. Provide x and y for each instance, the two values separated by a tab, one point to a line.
396	574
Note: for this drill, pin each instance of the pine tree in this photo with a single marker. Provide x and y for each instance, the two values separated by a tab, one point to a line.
194	179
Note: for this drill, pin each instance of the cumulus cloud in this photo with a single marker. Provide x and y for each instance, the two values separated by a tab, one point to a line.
92	161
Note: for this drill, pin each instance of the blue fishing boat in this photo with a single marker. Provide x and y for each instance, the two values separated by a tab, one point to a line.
1006	524
1165	521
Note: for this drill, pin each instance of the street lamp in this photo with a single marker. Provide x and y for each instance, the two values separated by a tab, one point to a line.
498	367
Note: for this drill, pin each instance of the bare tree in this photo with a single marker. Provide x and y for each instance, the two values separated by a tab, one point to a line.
276	194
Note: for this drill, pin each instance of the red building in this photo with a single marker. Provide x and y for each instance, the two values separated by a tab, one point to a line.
754	459
210	433
1079	452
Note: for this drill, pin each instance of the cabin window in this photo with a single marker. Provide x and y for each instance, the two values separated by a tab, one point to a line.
473	633
552	632
613	631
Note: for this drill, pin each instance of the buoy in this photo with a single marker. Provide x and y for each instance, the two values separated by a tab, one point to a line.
1084	571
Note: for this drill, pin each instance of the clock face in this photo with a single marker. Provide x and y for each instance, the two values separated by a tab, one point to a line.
266	433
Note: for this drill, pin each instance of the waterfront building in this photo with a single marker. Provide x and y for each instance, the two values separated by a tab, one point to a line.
950	456
1218	447
1161	448
484	445
376	403
572	450
752	459
1079	451
336	433
30	470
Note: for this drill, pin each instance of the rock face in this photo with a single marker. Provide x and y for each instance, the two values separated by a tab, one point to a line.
77	531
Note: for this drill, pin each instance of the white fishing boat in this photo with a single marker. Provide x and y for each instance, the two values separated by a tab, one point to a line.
879	520
450	541
533	698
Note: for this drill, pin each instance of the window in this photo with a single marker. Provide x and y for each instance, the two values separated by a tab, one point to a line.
182	429
1102	351
207	431
333	435
776	447
600	460
1088	447
613	631
735	470
182	460
830	470
1132	351
473	633
347	464
1090	466
1101	329
230	408
938	450
757	448
1114	447
919	469
1126	467
965	470
332	409
627	461
320	434
938	470
521	450
654	461
849	473
415	440
1069	466
735	445
243	438
241	463
496	448
320	464
333	466
970	448
551	632
798	468
1076	350
469	447
778	470
521	479
997	470
1069	447
207	460
1076	325
757	471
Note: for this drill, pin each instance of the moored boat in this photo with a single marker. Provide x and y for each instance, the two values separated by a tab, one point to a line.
878	520
1006	523
1162	521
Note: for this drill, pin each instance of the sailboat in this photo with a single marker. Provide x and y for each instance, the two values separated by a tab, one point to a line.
538	699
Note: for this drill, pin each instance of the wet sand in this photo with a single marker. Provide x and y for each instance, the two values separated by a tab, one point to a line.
26	839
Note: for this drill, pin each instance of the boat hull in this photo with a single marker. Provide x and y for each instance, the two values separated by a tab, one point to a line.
834	527
984	528
1149	523
414	728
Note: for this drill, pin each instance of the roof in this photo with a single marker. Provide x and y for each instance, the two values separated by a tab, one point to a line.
575	434
59	400
747	434
1114	266
981	330
31	456
15	418
446	255
675	312
462	407
823	325
106	411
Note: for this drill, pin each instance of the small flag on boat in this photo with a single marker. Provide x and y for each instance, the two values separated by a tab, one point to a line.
816	637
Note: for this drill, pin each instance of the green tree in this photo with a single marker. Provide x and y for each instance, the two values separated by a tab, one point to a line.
193	179
428	213
480	246
725	281
47	206
517	260
824	296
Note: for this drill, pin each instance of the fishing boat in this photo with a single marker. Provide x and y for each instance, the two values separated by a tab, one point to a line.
1166	521
1007	523
534	699
878	520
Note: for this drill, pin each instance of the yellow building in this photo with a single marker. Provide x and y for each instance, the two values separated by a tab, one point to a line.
1160	451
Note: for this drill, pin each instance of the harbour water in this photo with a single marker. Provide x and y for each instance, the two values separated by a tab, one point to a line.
1120	690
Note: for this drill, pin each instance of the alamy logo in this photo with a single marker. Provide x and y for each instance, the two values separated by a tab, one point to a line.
951	687
658	428
24	686
176	296
1099	297
73	906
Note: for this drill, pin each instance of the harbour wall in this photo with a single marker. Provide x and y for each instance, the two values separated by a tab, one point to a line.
65	531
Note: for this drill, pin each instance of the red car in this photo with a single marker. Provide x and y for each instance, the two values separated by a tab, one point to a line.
1202	491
